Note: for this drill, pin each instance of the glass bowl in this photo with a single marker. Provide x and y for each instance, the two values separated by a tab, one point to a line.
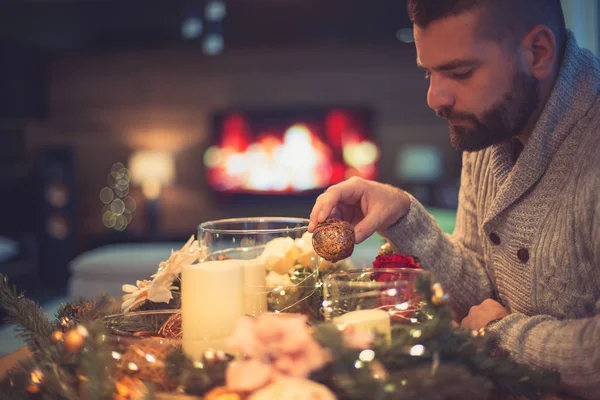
249	232
373	299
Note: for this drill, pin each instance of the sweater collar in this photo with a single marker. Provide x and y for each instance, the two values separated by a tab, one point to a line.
574	92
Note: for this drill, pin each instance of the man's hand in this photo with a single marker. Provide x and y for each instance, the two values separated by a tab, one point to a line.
480	315
369	206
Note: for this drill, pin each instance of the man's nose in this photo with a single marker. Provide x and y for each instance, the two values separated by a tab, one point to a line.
439	95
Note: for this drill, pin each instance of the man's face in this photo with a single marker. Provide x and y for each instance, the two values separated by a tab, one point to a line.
483	91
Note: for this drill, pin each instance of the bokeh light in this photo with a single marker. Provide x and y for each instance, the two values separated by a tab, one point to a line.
118	207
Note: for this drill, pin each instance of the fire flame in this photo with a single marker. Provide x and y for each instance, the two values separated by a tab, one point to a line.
296	161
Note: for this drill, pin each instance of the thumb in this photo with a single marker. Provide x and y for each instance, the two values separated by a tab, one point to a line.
366	227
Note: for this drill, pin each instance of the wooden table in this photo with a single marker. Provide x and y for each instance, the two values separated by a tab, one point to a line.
9	361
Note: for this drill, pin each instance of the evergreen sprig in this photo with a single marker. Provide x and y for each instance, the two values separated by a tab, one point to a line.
97	365
31	323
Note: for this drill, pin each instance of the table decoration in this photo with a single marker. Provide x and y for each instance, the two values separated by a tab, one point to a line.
103	351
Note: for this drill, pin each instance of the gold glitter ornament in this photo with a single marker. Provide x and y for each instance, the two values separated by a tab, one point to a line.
333	240
385	250
74	340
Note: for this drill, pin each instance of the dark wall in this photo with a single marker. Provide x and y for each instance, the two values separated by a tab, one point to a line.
106	105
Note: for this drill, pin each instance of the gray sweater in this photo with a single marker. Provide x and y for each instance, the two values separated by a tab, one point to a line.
528	233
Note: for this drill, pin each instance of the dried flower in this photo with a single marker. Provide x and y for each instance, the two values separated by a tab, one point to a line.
274	280
306	252
280	254
159	289
188	254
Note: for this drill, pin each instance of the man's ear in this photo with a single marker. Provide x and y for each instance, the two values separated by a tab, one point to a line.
539	46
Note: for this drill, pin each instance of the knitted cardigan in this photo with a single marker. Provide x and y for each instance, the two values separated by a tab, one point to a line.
528	233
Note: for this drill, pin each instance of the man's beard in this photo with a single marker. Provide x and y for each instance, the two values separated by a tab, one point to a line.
504	120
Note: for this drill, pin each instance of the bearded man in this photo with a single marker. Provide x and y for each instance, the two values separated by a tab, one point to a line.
521	99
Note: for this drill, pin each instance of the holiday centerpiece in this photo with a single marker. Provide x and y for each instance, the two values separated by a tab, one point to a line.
204	326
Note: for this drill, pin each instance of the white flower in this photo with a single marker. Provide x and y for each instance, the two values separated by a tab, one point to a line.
307	254
189	253
280	254
159	289
275	279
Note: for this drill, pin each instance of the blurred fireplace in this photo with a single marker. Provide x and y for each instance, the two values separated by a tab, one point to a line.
293	151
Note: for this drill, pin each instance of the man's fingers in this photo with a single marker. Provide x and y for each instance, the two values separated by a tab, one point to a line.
337	213
323	207
348	192
367	226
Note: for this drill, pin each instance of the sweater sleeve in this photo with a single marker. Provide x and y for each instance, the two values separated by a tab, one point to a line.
456	260
570	347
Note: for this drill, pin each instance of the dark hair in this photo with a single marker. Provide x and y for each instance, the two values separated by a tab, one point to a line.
502	19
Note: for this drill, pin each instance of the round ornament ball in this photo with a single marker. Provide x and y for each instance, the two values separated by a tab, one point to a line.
333	240
74	341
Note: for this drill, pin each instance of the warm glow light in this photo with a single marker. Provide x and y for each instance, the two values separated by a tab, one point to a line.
361	154
212	157
151	170
417	350
366	355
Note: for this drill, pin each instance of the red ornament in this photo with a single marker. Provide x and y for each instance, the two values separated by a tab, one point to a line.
395	261
392	262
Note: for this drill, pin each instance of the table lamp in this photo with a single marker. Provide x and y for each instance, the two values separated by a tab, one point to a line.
151	170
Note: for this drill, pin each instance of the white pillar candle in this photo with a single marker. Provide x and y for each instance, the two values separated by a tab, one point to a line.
212	302
255	291
374	321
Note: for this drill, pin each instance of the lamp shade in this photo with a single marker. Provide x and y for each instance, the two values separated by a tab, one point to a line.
151	170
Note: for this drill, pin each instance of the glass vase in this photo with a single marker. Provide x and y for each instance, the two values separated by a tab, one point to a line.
281	269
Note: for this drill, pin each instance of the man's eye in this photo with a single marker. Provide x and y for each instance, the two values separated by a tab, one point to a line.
427	75
462	76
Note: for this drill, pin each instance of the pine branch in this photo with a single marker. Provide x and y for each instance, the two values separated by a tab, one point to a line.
32	323
448	382
97	365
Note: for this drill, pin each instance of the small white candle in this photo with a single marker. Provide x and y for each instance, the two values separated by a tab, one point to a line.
212	302
374	321
255	291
